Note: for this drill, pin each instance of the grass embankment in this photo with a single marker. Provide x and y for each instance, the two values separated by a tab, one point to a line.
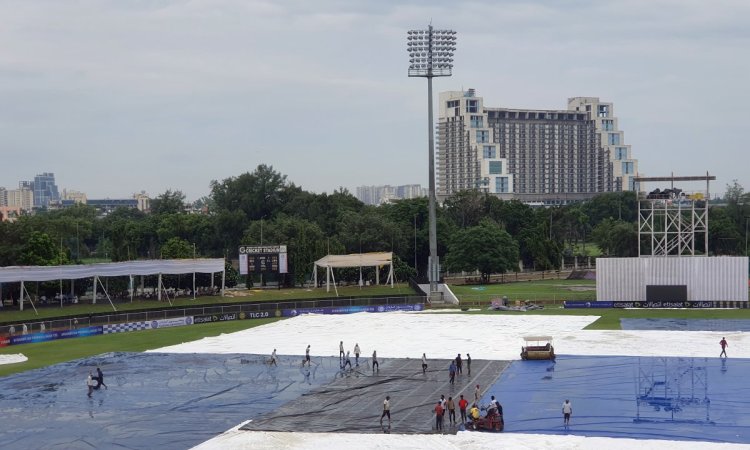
609	319
546	290
47	353
8	314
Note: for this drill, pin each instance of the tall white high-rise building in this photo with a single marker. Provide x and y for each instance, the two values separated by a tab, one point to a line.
549	156
376	195
624	166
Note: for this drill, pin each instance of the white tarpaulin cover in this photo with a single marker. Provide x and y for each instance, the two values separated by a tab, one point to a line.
74	272
356	260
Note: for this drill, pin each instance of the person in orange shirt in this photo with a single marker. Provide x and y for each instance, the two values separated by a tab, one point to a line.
462	404
439	416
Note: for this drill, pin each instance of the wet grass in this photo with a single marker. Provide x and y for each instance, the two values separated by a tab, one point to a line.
48	353
8	314
552	290
609	319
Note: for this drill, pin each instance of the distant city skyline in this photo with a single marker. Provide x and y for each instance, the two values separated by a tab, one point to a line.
118	97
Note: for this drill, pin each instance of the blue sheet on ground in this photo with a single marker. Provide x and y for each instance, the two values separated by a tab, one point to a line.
153	400
686	324
703	399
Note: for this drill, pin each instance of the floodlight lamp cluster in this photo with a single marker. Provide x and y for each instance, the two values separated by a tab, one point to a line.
431	52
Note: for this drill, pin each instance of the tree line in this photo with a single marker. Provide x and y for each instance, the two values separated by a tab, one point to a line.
476	232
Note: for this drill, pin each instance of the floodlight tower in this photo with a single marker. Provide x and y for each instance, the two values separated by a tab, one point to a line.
431	55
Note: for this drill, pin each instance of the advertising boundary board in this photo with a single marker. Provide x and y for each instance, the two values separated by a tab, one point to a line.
690	304
50	336
172	322
351	309
208	318
126	327
194	320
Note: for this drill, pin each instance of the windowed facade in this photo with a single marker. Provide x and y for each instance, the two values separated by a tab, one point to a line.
529	154
501	185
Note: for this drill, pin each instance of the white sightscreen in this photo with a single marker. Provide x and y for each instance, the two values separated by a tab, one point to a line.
719	278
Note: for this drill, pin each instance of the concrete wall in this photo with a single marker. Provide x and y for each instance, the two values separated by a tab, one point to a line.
707	278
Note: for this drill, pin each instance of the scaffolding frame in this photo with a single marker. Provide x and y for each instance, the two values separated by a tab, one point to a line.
669	225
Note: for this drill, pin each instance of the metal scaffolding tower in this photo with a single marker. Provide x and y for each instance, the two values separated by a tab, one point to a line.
670	220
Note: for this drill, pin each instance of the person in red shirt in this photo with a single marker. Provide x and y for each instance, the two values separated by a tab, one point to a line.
724	346
462	404
439	416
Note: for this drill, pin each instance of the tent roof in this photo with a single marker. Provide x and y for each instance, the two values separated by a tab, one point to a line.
537	338
146	267
356	260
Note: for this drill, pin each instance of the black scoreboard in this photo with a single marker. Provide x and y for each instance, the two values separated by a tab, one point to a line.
263	259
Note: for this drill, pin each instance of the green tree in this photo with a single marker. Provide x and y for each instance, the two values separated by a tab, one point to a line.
258	194
615	205
486	248
465	208
40	250
616	238
176	248
724	238
170	202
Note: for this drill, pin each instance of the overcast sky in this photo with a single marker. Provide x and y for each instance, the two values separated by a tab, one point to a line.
118	96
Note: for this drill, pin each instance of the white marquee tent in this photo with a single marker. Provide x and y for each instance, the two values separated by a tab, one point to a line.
23	274
376	259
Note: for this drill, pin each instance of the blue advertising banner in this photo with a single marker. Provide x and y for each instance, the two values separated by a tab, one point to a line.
690	304
586	304
351	309
54	335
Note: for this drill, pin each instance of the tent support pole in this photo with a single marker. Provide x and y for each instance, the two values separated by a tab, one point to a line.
223	280
334	282
132	288
24	291
377	275
167	294
158	294
315	275
328	278
107	295
96	281
20	302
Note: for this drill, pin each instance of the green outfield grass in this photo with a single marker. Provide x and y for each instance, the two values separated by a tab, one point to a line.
609	319
47	353
548	290
8	314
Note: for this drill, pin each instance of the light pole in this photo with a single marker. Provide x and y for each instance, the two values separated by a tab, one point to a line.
747	219
431	55
415	246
